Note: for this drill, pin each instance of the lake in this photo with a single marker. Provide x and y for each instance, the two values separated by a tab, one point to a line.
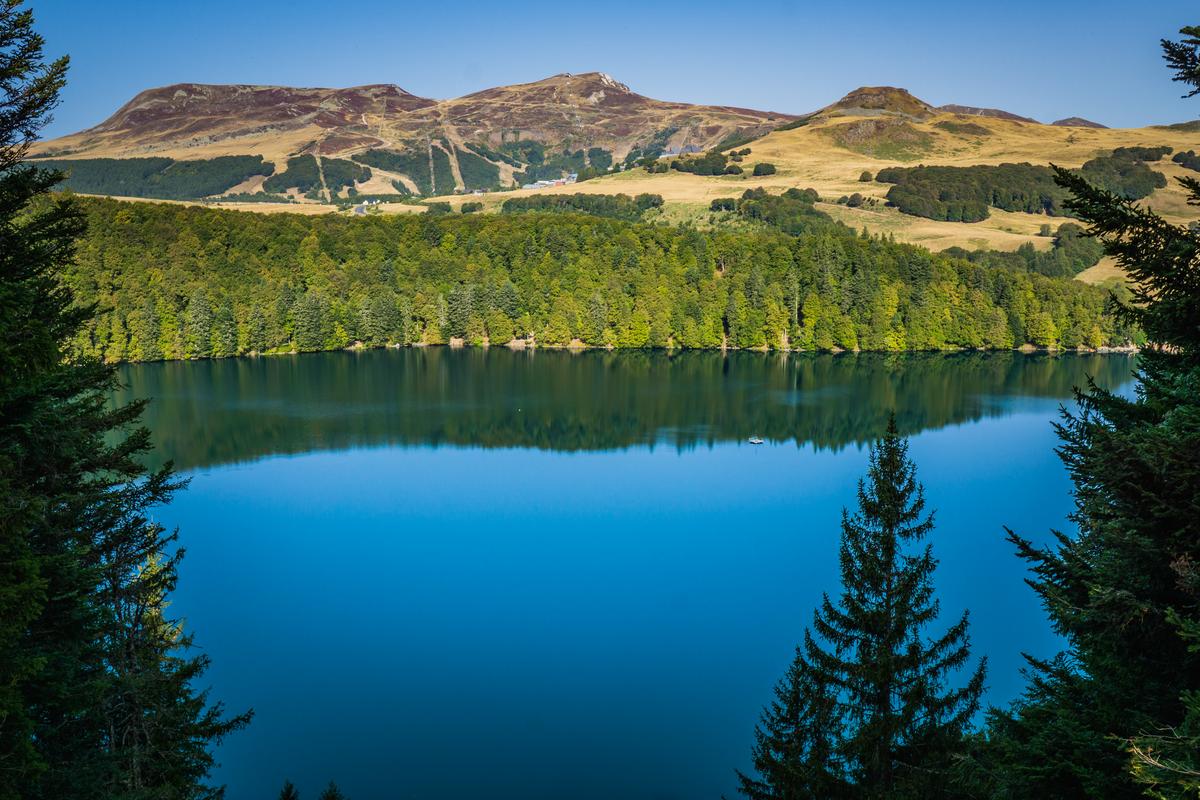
458	574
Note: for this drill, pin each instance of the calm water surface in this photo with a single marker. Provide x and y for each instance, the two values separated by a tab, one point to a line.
458	574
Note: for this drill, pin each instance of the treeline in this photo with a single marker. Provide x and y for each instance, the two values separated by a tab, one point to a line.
964	194
1071	253
189	282
160	178
615	206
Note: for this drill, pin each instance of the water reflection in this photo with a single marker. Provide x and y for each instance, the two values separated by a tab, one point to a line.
214	412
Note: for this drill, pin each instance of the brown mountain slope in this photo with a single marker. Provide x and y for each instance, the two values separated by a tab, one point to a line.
191	120
196	121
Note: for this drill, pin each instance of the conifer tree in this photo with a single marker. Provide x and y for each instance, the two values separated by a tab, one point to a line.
96	698
289	792
332	792
867	709
1125	591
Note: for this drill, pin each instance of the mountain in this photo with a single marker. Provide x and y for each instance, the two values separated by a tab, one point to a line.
1077	122
201	118
873	100
974	111
401	142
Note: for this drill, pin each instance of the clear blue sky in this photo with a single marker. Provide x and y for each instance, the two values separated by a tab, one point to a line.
1047	60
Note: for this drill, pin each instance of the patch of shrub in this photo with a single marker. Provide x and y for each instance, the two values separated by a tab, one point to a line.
1188	160
764	168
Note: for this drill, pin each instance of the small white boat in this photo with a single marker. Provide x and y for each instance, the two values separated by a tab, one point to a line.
755	440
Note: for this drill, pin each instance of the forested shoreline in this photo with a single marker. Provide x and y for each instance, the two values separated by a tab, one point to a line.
189	282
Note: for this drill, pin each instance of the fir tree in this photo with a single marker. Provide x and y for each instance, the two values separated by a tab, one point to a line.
1125	591
332	792
95	684
867	710
289	792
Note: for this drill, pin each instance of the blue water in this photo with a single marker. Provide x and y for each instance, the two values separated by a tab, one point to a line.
433	601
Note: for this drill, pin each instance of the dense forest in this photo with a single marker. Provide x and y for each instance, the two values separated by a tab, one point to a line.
187	282
160	178
1071	253
964	194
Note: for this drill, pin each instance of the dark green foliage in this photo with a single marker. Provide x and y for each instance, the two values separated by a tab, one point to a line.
158	177
289	792
1183	57
764	168
471	207
1124	174
1188	160
554	166
710	163
616	206
301	174
528	151
256	197
332	792
867	708
96	683
866	177
963	194
443	174
412	162
477	172
1124	592
791	212
341	174
723	204
1072	253
438	208
492	155
855	200
599	158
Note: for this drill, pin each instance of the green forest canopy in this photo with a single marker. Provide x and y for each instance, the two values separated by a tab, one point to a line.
195	282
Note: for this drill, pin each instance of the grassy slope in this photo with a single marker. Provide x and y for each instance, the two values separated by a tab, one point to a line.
810	157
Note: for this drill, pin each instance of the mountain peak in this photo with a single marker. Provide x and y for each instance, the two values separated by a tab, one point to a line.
882	100
1077	122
